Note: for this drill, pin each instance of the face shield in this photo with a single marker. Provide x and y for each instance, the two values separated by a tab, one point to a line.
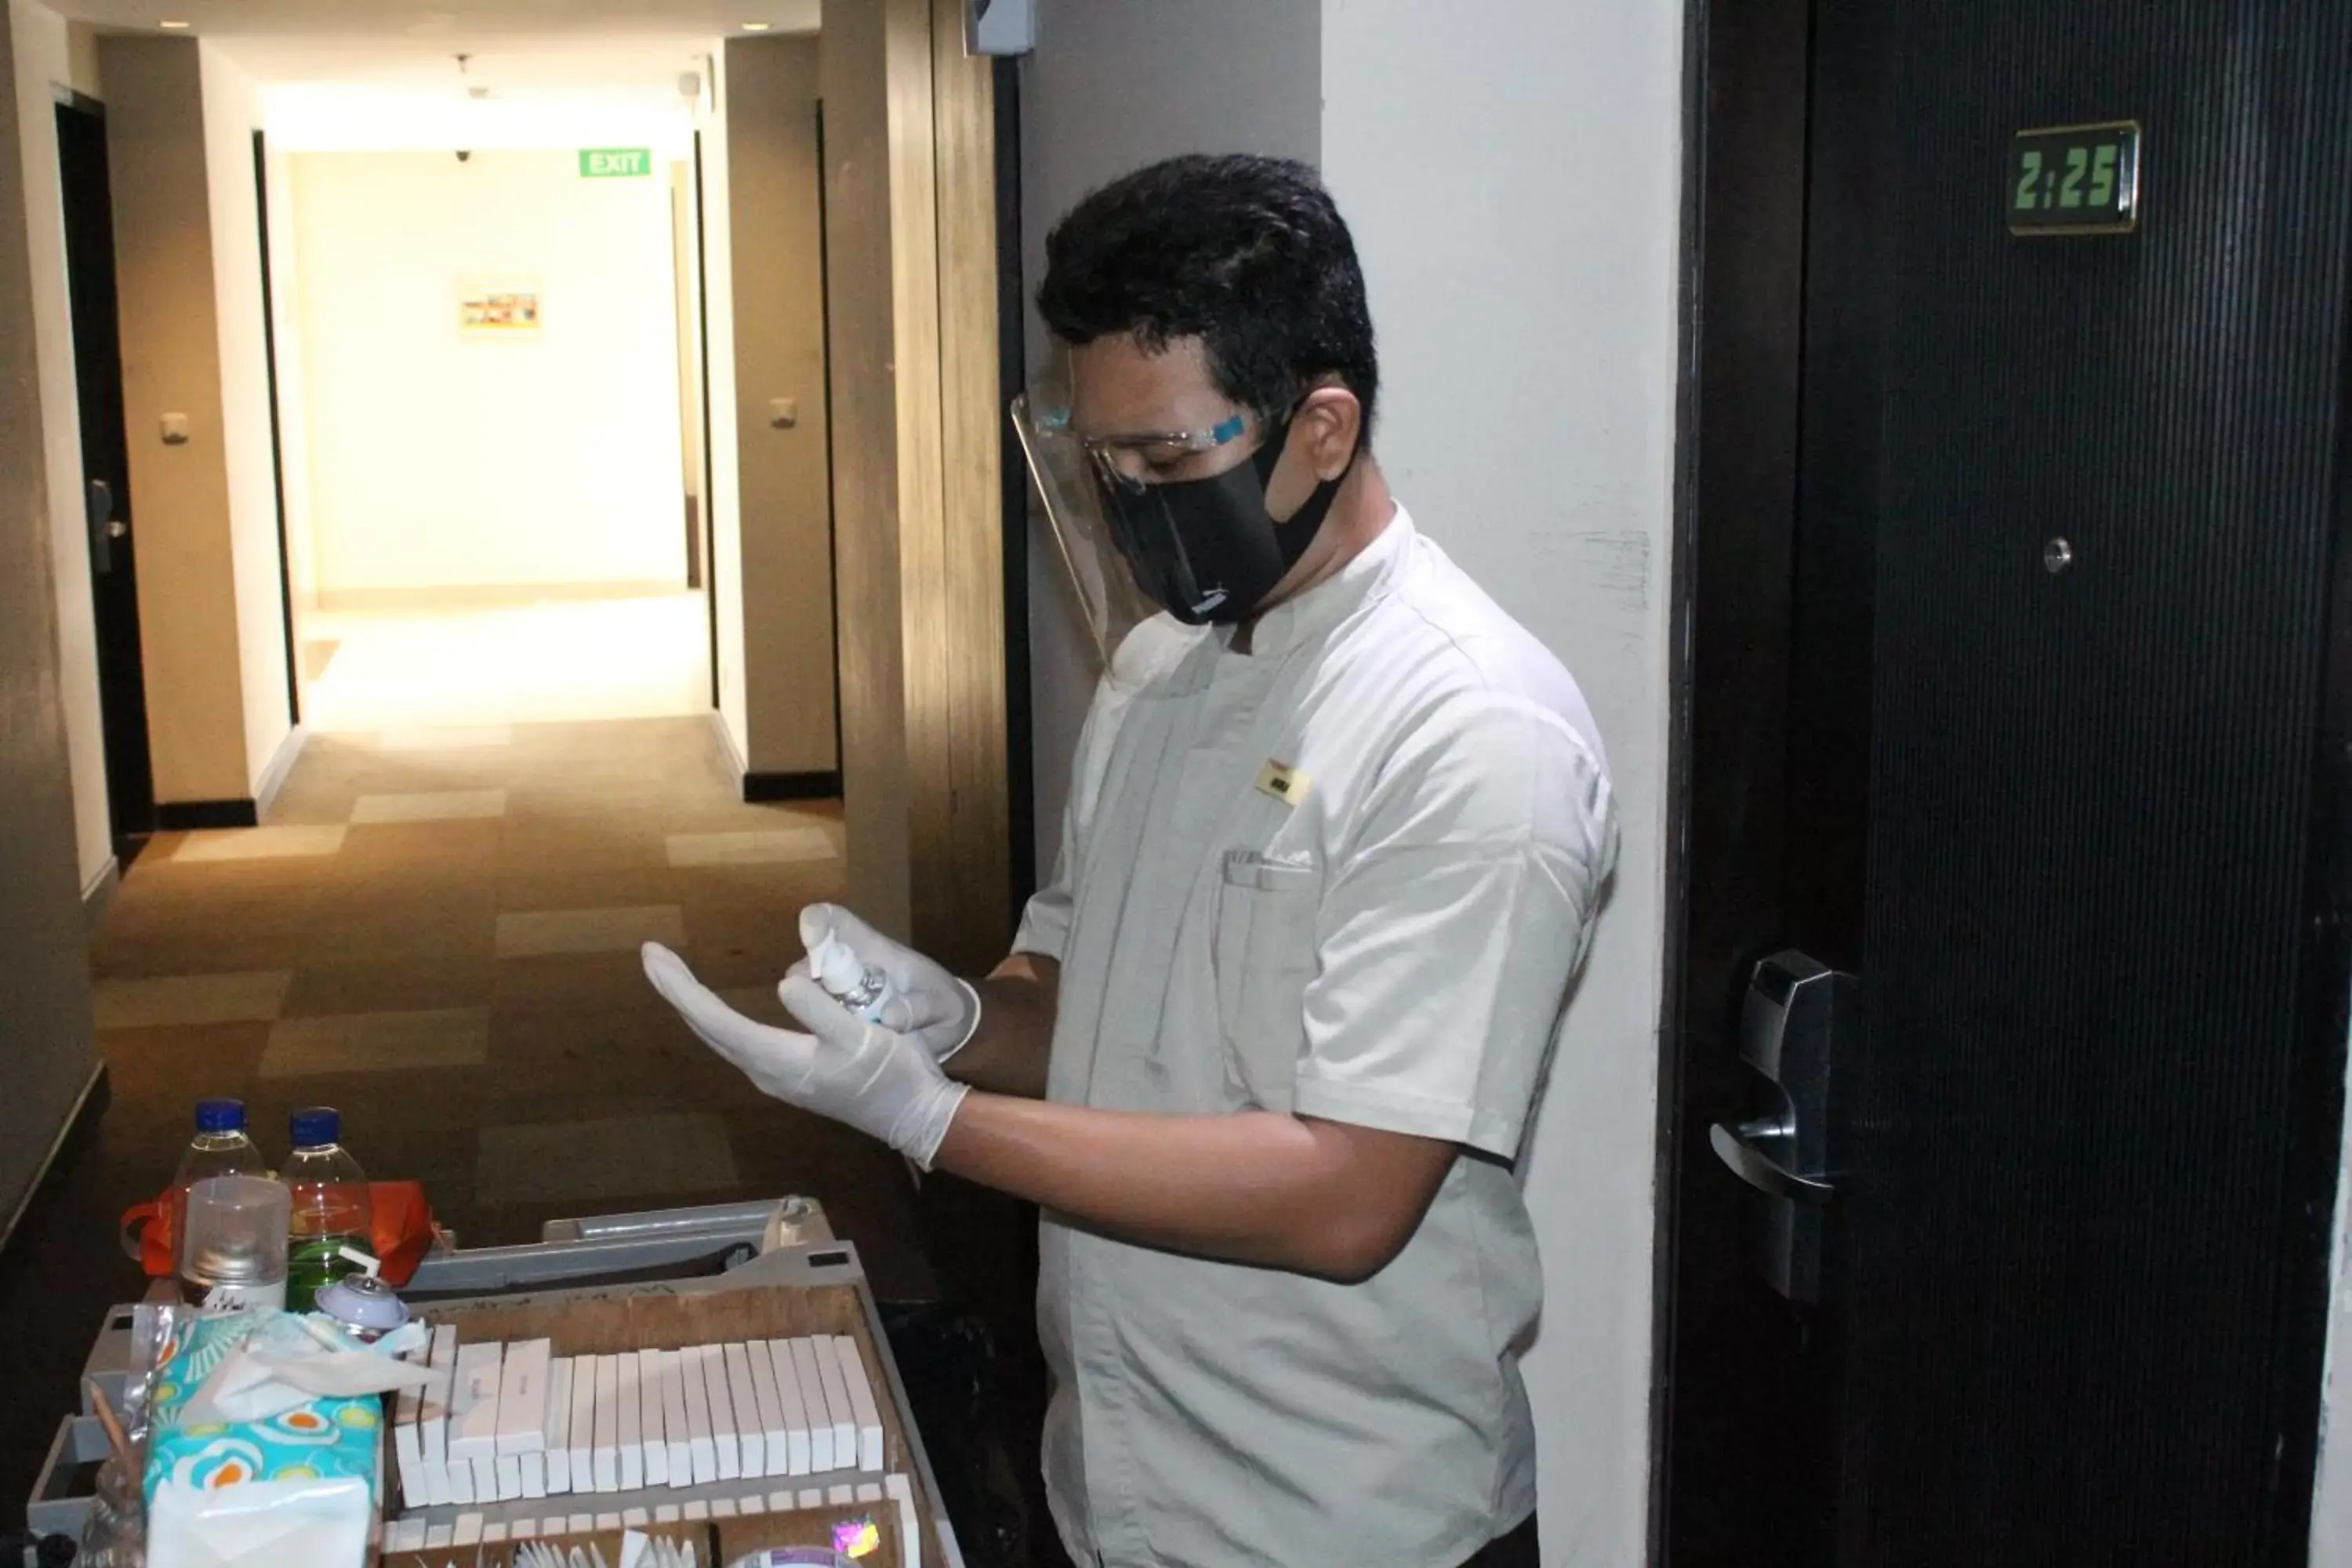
1172	520
1110	602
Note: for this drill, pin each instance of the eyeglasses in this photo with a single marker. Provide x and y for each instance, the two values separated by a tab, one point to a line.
1126	461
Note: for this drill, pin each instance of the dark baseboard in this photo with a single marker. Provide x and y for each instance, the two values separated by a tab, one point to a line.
764	789
188	815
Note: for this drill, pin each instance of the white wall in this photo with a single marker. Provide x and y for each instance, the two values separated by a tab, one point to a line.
436	460
43	61
232	112
1511	170
1110	89
726	499
2331	1502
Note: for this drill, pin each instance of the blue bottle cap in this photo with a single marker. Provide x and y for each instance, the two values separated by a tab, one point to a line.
317	1124
220	1116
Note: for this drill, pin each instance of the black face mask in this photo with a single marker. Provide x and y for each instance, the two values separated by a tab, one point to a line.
1207	549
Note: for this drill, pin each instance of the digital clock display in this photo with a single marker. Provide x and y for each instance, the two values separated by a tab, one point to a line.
2074	179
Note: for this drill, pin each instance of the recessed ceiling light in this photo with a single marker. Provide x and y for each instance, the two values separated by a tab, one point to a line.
755	27
175	27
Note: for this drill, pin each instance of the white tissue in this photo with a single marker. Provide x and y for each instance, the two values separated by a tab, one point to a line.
313	1524
287	1362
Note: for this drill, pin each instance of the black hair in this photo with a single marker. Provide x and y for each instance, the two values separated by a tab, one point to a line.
1247	254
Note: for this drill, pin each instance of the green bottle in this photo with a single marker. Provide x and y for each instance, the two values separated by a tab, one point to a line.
331	1207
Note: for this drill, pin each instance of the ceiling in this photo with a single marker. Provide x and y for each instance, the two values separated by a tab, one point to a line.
513	43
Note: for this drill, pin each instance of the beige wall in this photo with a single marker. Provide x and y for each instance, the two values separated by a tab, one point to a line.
46	1054
232	113
726	498
775	246
43	62
188	262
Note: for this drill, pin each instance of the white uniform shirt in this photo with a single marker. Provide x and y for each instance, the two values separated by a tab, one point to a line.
1348	875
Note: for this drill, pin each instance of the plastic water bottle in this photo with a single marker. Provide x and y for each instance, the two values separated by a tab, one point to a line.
220	1148
331	1207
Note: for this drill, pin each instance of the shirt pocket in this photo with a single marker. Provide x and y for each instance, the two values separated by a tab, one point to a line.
1265	958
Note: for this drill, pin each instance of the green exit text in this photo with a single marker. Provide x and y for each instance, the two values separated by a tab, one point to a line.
615	163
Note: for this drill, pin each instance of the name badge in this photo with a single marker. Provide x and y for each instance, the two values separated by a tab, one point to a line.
1283	782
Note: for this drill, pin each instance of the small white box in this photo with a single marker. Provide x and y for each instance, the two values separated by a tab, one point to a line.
674	1423
862	1408
751	1430
630	1437
493	1532
812	1497
439	1535
722	1414
722	1508
665	1513
486	1479
650	1419
910	1540
837	1397
559	1427
460	1476
869	1491
473	1402
508	1471
820	1413
697	1391
780	1501
534	1473
749	1506
775	1445
795	1409
583	1427
636	1519
840	1496
608	1424
608	1521
522	1396
696	1510
433	1417
469	1530
578	1524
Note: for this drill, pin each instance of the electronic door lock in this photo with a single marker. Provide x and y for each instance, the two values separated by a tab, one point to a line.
1796	1030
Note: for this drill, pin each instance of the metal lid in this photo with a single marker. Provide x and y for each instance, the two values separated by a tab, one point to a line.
363	1301
218	1265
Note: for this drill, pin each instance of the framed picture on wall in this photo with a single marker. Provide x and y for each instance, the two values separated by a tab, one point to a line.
502	307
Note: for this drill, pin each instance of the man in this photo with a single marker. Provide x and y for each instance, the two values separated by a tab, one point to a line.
1264	1051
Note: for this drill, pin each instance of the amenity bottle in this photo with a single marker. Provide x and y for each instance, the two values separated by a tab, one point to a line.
331	1207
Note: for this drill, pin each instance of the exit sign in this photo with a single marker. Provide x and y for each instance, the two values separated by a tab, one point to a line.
615	163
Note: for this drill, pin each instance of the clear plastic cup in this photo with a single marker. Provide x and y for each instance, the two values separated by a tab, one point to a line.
235	1256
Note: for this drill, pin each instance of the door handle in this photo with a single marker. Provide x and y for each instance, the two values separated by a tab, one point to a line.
116	529
1737	1151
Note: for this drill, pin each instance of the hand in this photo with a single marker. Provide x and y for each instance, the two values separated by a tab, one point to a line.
931	1005
885	1085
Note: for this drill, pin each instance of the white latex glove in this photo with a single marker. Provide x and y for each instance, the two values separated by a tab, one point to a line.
934	1007
885	1085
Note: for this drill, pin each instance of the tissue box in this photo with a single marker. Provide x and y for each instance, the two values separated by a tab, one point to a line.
296	1488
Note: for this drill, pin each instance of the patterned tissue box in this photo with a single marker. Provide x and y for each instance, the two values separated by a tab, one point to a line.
324	1440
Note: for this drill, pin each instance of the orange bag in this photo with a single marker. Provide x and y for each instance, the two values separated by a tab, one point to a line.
400	1229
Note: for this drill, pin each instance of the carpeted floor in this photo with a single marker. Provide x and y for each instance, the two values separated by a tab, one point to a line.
437	932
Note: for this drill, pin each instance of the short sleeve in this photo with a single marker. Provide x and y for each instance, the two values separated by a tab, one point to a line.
1451	930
